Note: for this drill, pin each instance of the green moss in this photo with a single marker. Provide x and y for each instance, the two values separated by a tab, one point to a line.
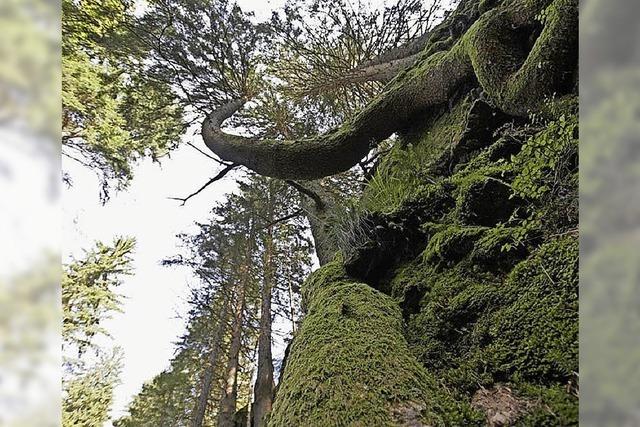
547	158
436	137
435	201
350	365
501	247
331	272
486	5
440	334
535	335
474	329
555	406
485	201
450	242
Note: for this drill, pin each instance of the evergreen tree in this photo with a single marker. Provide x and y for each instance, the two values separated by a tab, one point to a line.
88	292
112	112
250	259
88	299
89	394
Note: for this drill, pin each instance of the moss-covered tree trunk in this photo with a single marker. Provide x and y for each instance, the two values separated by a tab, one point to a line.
349	363
520	52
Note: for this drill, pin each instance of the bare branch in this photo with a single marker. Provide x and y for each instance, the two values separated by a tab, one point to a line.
320	204
223	163
218	177
295	214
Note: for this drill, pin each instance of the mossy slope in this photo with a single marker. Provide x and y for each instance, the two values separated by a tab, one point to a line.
468	275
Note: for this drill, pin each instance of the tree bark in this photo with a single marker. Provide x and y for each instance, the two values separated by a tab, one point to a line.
317	205
205	390
227	407
292	311
518	79
264	378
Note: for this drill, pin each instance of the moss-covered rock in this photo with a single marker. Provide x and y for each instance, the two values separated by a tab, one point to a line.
450	243
474	329
500	248
492	299
486	201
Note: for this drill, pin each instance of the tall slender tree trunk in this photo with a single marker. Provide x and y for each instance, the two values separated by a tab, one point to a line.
292	309
205	390
263	398
227	407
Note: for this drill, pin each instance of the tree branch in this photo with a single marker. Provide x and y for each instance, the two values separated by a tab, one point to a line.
218	177
518	81
192	145
283	219
320	204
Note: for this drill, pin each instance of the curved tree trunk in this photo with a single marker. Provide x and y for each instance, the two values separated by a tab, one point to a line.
495	51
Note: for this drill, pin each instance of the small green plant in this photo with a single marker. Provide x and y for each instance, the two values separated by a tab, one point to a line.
546	159
519	230
400	176
346	227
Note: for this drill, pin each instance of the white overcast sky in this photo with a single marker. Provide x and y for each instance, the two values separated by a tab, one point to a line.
154	295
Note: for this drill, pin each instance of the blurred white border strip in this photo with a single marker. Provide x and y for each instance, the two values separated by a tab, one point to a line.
30	215
610	213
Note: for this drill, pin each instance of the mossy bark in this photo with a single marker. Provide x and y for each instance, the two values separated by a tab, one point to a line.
516	69
349	364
